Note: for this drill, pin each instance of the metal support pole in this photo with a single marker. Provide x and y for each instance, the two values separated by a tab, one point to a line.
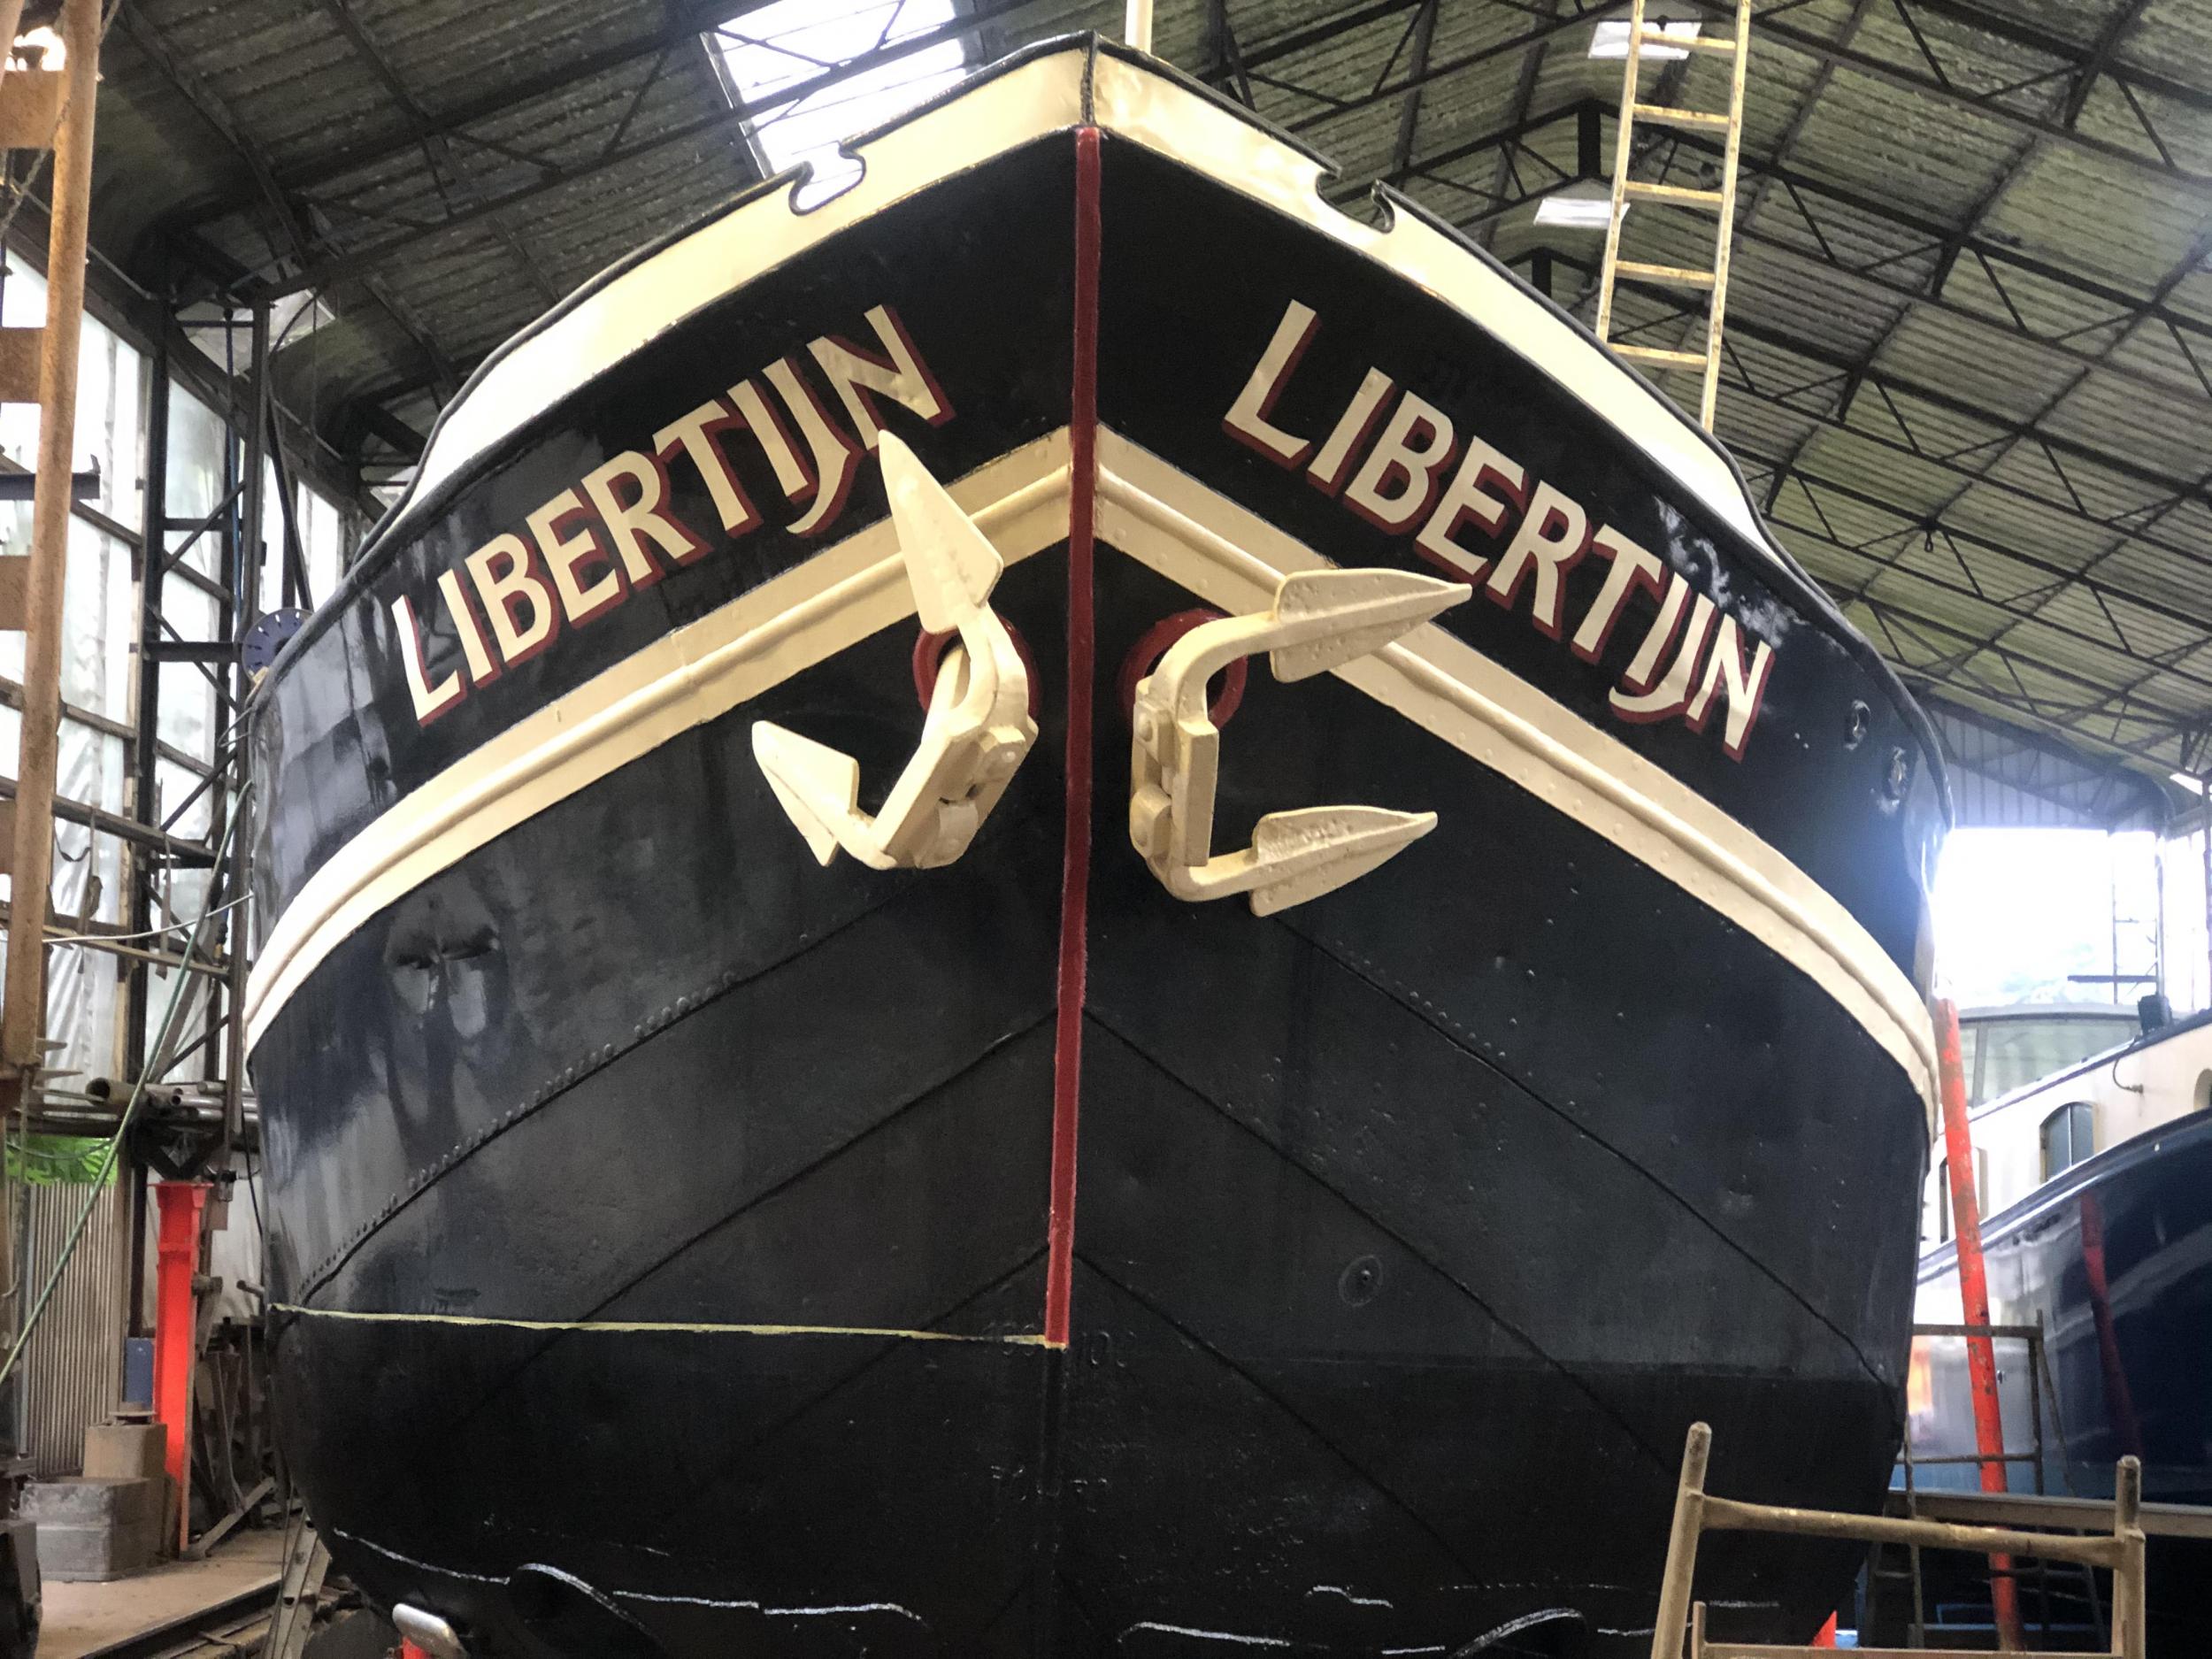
153	559
146	750
247	588
1981	1358
23	1022
176	1334
2204	831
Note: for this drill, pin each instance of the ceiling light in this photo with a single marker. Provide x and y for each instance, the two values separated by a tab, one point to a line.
1564	212
1610	39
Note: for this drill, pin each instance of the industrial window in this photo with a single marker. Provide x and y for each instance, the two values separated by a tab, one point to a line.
1943	1192
2069	1135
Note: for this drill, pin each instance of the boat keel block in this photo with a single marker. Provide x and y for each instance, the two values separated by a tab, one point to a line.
977	731
1320	619
427	1632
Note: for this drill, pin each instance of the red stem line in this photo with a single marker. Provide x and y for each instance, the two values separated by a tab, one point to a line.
1075	863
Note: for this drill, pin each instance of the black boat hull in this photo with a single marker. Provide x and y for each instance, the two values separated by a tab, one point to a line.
664	1226
2114	1261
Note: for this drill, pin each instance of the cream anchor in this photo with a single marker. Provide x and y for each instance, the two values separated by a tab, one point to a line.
977	730
1320	620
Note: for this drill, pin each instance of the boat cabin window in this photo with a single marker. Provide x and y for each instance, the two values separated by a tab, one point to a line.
2003	1053
2069	1135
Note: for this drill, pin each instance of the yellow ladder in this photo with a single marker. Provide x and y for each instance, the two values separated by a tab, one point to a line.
1721	203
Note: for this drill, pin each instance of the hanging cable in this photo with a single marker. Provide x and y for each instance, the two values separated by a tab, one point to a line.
150	932
130	1110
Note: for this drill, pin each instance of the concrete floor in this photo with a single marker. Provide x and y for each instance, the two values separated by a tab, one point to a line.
82	1619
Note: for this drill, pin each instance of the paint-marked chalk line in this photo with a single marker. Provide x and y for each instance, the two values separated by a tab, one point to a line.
653	1326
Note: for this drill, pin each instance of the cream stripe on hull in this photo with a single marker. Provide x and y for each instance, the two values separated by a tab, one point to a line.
689	676
1195	537
987	120
1233	559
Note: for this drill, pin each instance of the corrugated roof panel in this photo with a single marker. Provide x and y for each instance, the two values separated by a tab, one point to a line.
2172	37
1953	363
2160	434
2125	225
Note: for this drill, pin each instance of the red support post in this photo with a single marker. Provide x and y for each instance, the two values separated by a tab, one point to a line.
176	1340
1981	1355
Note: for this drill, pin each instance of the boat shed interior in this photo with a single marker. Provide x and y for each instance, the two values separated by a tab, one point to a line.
1965	371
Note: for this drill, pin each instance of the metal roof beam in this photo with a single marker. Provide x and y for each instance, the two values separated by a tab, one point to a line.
2085	746
1524	97
1768	28
300	238
1225	54
2132	306
2006	173
435	149
1848	367
1410	113
2100	57
354	261
2037	747
2096	55
1794	466
2024	609
1944	91
689	22
2167	722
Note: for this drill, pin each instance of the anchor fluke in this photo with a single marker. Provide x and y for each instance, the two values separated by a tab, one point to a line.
1353	612
1318	849
818	785
950	565
977	731
1320	620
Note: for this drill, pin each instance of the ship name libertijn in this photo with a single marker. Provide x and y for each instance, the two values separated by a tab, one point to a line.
1423	477
593	543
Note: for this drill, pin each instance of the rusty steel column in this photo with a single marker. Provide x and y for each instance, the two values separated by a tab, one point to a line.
1981	1355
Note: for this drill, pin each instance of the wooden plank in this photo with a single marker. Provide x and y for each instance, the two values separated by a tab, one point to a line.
23	1002
18	359
1726	1514
1668	115
30	108
1674	194
15	580
1660	354
1680	276
1713	46
2087	1515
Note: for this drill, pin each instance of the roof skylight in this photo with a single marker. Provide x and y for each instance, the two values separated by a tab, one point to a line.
772	48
